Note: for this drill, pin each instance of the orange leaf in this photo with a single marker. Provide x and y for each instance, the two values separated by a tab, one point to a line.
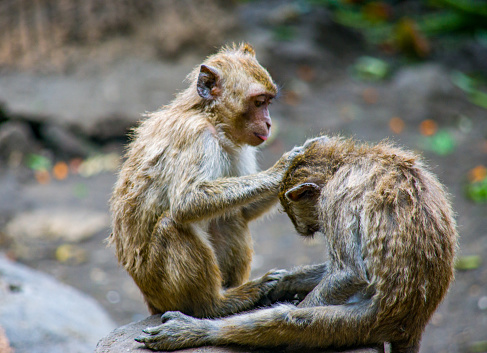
60	170
428	127
477	174
396	125
43	177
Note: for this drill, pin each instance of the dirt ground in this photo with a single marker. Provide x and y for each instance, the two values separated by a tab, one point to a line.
320	95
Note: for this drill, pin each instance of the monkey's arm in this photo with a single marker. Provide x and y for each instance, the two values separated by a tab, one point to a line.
335	288
258	208
210	198
205	199
299	282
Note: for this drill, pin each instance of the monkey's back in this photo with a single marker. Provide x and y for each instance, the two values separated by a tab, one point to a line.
147	180
385	200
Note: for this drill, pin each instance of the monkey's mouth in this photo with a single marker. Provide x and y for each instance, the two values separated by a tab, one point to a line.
262	137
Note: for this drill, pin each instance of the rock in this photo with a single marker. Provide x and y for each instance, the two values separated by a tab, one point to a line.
41	315
65	142
101	102
425	92
122	340
72	225
16	140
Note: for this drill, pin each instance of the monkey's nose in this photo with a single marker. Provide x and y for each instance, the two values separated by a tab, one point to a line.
269	124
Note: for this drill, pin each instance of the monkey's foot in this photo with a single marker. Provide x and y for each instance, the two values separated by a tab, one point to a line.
177	331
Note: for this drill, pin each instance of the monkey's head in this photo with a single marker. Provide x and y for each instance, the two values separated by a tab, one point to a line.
236	90
303	182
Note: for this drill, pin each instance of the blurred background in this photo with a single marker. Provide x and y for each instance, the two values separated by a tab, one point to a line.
75	76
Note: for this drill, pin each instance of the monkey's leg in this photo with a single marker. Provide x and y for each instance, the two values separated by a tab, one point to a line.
282	325
181	272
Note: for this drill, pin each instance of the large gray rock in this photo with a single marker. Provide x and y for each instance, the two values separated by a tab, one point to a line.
41	315
95	100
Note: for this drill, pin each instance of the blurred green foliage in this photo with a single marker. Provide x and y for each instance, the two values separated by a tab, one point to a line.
477	190
407	26
38	162
470	262
370	69
441	143
471	86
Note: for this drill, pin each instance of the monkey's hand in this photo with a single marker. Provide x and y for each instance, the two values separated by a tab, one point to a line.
267	284
290	289
297	283
270	280
287	158
322	139
178	331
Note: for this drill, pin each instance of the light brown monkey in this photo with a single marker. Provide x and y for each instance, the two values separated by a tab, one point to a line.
189	187
391	238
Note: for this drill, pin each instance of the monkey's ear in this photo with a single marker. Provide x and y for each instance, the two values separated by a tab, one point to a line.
208	84
302	190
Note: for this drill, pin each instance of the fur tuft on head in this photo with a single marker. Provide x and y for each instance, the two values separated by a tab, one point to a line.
242	48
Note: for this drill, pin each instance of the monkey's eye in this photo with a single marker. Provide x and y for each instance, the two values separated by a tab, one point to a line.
259	101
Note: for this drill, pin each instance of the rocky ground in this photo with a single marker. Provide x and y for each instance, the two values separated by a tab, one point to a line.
61	136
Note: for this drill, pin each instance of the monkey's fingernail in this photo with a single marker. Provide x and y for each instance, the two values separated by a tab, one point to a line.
140	339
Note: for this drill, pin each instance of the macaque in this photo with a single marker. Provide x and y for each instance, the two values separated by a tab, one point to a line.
391	239
189	187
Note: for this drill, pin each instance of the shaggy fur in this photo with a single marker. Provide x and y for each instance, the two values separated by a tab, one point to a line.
189	187
391	239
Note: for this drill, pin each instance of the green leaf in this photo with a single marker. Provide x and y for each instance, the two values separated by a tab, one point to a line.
441	143
38	162
470	262
370	69
477	191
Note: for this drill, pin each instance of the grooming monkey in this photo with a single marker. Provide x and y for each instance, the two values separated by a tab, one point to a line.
189	187
391	238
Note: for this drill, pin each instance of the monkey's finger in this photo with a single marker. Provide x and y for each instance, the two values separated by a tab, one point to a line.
322	139
153	330
148	340
275	274
170	315
140	339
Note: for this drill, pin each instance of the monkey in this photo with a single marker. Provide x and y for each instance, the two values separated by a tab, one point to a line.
189	186
391	238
